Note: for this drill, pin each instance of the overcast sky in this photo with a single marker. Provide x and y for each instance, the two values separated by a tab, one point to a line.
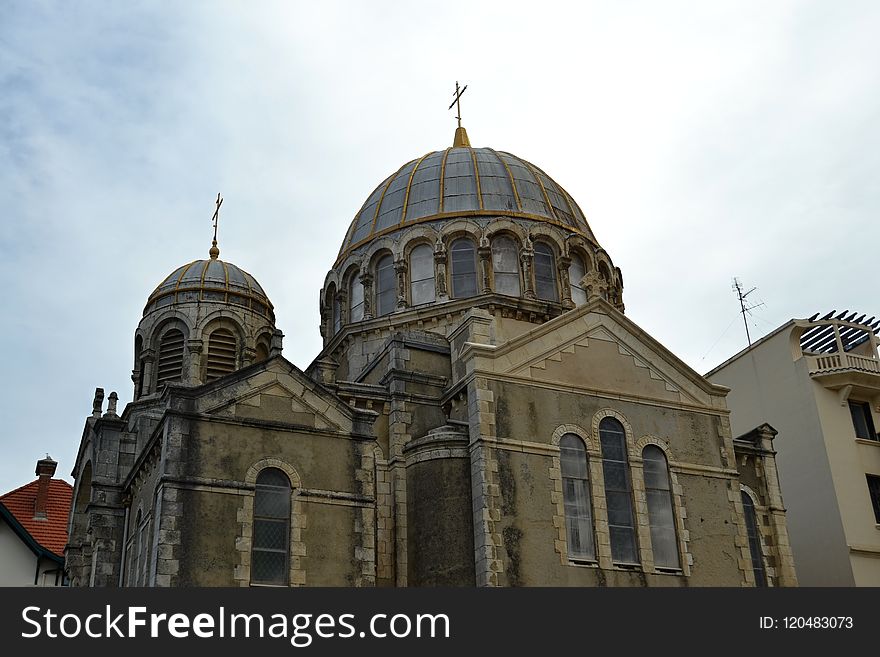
703	140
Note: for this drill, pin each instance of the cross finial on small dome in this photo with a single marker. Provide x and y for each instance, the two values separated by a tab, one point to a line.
461	139
214	251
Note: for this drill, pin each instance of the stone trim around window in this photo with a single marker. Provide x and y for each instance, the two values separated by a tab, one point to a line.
245	524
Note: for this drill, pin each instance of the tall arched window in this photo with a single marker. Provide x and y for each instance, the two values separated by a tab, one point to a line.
754	540
170	366
271	536
421	274
386	288
464	269
222	352
355	299
618	492
576	271
660	514
576	495
545	272
505	266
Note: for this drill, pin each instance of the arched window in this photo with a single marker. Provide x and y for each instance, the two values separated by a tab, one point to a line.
222	351
170	358
576	271
618	492
545	272
576	495
421	273
754	540
271	534
660	514
464	269
262	348
355	299
505	266
386	289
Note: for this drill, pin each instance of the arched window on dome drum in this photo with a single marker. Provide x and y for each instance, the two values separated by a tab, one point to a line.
355	299
222	352
618	492
754	540
271	532
505	266
464	269
576	496
660	514
421	273
576	271
386	287
545	272
170	362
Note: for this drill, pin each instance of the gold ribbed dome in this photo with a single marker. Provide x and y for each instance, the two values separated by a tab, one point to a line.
211	280
461	182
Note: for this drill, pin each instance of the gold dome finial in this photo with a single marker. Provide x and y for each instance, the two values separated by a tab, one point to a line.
214	251
461	139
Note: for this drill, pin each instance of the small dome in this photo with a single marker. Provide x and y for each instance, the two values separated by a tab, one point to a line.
459	182
211	280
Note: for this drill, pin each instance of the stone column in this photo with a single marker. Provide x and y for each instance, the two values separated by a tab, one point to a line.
562	265
148	356
440	272
527	257
276	345
485	255
342	300
400	268
193	373
367	282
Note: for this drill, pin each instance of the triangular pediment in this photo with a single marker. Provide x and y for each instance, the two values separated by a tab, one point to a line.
277	392
596	347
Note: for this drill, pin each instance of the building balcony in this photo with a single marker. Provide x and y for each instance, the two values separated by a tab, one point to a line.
841	353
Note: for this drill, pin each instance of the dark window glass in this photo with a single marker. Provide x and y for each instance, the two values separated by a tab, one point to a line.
754	540
863	422
618	492
464	269
660	512
355	299
576	495
386	287
874	491
271	535
545	273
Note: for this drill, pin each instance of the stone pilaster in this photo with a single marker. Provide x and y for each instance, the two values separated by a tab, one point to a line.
400	268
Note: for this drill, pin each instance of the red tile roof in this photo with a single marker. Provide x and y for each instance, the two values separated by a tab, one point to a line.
52	532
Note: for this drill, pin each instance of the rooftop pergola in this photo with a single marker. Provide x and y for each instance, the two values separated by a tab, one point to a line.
835	332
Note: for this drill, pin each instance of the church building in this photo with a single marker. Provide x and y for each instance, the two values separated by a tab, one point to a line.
482	413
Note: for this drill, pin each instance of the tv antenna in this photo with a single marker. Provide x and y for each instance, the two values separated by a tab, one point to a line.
738	288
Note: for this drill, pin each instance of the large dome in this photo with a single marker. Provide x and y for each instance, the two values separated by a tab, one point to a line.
463	181
211	280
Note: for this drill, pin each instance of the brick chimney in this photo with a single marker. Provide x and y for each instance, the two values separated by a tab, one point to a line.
45	471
